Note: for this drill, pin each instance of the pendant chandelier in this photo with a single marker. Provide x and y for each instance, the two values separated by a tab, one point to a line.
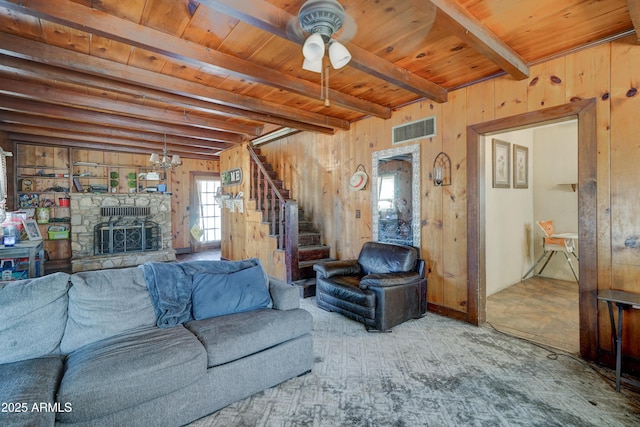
163	163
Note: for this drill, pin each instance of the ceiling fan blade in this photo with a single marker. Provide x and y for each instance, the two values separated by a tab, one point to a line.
348	30
295	32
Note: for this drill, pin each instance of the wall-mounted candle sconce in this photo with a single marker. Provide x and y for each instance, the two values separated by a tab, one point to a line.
441	173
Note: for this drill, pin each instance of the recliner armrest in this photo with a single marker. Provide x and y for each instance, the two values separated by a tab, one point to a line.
338	268
389	279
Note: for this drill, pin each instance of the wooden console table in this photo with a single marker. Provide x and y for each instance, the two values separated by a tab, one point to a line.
31	249
623	300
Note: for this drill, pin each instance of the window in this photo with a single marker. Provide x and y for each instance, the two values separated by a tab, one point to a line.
208	210
387	193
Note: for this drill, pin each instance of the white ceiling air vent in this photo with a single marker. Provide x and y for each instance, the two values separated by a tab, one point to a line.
419	129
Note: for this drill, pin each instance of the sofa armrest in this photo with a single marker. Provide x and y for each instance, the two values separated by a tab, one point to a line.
389	279
338	268
284	297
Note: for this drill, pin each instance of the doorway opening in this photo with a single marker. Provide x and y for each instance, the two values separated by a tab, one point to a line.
537	304
585	113
205	212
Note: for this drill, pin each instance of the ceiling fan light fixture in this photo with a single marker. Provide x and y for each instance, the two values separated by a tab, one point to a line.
338	54
324	16
315	66
313	48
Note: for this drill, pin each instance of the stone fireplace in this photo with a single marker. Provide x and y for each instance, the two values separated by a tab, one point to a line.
119	230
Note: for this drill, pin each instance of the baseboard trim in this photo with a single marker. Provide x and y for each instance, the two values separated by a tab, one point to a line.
447	312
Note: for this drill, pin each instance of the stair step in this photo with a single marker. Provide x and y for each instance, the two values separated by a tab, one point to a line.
309	239
305	226
272	174
277	182
310	249
285	194
305	239
316	252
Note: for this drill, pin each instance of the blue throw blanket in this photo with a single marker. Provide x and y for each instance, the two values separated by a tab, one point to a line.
170	285
170	291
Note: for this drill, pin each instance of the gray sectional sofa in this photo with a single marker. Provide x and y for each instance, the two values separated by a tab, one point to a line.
159	344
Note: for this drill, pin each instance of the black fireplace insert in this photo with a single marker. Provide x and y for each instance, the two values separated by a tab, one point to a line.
124	235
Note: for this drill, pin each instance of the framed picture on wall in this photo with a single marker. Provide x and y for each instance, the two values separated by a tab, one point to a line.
31	227
520	166
501	166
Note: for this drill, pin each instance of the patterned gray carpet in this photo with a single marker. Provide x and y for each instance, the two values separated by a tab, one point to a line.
432	372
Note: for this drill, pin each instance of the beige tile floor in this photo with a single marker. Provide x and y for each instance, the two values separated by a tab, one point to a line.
539	309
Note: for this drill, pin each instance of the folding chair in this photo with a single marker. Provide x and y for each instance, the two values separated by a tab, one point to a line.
552	243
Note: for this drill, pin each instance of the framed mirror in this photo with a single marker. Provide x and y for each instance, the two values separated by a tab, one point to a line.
395	202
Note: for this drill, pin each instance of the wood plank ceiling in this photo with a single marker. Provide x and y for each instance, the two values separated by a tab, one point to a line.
125	75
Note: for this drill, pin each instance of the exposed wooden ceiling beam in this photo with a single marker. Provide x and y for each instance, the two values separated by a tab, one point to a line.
45	93
634	11
26	106
113	144
134	137
84	69
35	139
471	31
25	69
275	21
93	21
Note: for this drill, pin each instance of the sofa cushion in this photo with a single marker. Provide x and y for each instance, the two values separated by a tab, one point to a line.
33	313
27	383
234	336
193	267
105	303
217	294
129	369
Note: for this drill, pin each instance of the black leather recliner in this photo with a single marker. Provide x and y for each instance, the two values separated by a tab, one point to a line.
384	287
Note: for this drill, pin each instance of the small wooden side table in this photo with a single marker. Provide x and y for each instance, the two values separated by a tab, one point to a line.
623	300
28	249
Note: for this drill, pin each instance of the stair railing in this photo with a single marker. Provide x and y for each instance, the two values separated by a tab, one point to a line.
281	213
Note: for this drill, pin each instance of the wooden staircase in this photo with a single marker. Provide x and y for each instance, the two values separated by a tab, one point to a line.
308	245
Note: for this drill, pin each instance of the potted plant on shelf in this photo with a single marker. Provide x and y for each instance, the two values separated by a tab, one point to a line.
114	181
131	176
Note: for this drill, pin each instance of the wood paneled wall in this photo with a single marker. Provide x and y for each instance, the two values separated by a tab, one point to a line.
244	233
179	183
317	169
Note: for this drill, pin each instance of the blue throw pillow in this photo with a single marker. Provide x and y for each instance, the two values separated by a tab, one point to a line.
216	294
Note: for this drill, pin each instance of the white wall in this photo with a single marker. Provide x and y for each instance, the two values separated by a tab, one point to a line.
508	213
556	166
513	240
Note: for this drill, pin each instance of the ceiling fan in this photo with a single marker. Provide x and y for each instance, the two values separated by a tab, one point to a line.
322	19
